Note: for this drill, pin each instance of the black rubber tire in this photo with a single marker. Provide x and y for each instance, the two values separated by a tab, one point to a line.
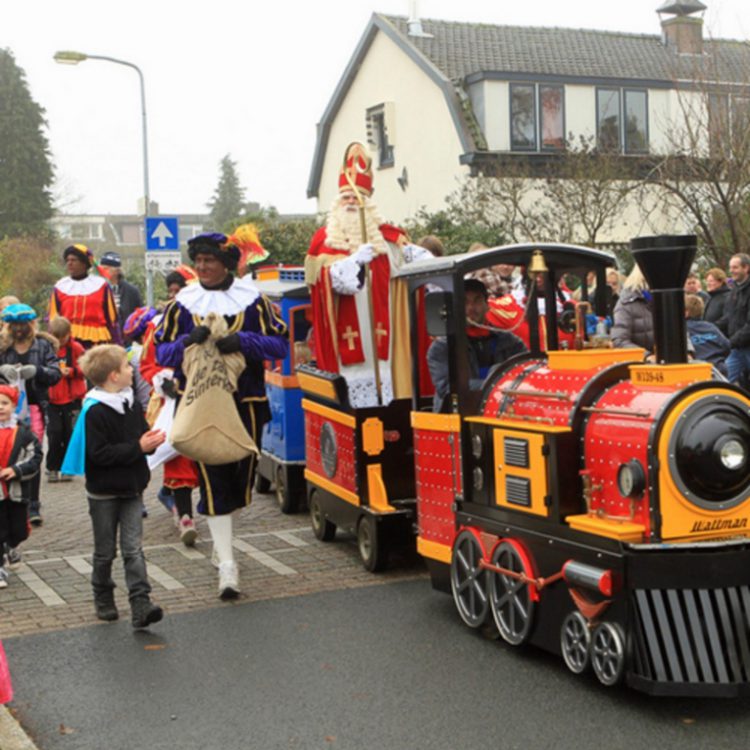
321	526
372	550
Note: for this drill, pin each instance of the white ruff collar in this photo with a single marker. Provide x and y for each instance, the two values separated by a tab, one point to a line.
115	401
90	284
232	301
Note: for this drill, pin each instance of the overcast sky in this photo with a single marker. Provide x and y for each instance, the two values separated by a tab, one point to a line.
248	79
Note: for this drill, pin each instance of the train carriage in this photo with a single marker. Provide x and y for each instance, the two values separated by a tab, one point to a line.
586	501
282	460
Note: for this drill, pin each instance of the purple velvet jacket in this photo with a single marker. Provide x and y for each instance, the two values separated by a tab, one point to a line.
262	336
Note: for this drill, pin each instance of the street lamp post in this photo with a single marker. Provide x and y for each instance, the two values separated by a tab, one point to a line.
73	58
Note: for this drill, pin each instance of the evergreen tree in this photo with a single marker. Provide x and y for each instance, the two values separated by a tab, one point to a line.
228	202
26	170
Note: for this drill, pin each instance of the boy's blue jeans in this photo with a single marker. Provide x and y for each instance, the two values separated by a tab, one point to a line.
106	516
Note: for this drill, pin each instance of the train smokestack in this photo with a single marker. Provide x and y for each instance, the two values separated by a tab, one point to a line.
665	261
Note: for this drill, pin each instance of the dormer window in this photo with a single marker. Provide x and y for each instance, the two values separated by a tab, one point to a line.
622	120
537	121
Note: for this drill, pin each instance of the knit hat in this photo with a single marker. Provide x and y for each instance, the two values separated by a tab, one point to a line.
81	252
216	244
10	392
137	321
19	313
111	259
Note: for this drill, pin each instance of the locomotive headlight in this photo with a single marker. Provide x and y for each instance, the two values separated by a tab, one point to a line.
732	454
709	450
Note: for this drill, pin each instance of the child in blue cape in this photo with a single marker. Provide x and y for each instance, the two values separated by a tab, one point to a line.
109	444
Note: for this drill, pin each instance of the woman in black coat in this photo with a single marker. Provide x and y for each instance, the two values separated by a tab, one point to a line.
31	358
718	294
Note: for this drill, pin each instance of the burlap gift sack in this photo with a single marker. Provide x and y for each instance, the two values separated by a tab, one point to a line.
207	426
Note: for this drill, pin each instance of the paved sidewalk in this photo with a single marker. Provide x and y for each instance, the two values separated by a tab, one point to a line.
278	556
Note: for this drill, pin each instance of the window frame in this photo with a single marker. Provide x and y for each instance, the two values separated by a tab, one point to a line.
561	88
377	124
618	148
624	109
535	115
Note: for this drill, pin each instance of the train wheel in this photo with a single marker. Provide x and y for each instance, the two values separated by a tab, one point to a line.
575	639
370	545
286	501
321	526
468	580
262	484
608	653
510	599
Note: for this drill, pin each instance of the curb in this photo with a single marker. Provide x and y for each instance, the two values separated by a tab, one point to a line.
12	736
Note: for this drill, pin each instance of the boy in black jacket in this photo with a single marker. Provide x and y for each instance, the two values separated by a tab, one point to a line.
20	459
117	440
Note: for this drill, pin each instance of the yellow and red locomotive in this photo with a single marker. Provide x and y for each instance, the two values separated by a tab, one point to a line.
583	500
599	504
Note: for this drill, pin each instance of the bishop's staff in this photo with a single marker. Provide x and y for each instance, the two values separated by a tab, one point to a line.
356	161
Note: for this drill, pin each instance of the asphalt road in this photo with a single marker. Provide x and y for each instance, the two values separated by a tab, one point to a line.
385	666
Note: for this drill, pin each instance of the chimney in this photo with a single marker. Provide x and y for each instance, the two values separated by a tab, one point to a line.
682	31
665	261
414	24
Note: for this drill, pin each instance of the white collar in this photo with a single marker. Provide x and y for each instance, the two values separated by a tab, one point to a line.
115	401
12	422
201	301
69	285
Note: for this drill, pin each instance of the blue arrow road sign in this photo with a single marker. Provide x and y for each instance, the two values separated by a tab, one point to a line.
162	233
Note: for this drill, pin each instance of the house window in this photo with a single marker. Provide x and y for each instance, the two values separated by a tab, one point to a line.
622	120
379	123
523	117
87	232
608	119
551	111
727	115
636	122
718	123
527	128
740	119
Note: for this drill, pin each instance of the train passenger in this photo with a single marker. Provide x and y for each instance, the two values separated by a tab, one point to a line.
633	316
354	239
487	346
710	344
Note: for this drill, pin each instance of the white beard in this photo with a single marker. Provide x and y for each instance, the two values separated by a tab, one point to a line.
344	230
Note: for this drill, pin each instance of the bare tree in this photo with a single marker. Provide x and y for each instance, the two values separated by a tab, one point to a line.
705	172
577	195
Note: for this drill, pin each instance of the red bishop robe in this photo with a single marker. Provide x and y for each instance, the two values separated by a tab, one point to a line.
336	328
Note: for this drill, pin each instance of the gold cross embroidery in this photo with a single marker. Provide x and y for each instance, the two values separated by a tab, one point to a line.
350	335
380	331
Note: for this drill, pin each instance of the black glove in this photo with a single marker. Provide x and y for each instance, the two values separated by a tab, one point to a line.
169	388
229	344
198	335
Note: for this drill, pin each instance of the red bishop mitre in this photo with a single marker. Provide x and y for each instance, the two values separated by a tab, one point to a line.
356	171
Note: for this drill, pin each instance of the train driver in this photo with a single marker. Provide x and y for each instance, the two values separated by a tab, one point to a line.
487	346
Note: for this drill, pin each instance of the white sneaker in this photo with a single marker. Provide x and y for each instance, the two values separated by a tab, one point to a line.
3	578
229	587
188	532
